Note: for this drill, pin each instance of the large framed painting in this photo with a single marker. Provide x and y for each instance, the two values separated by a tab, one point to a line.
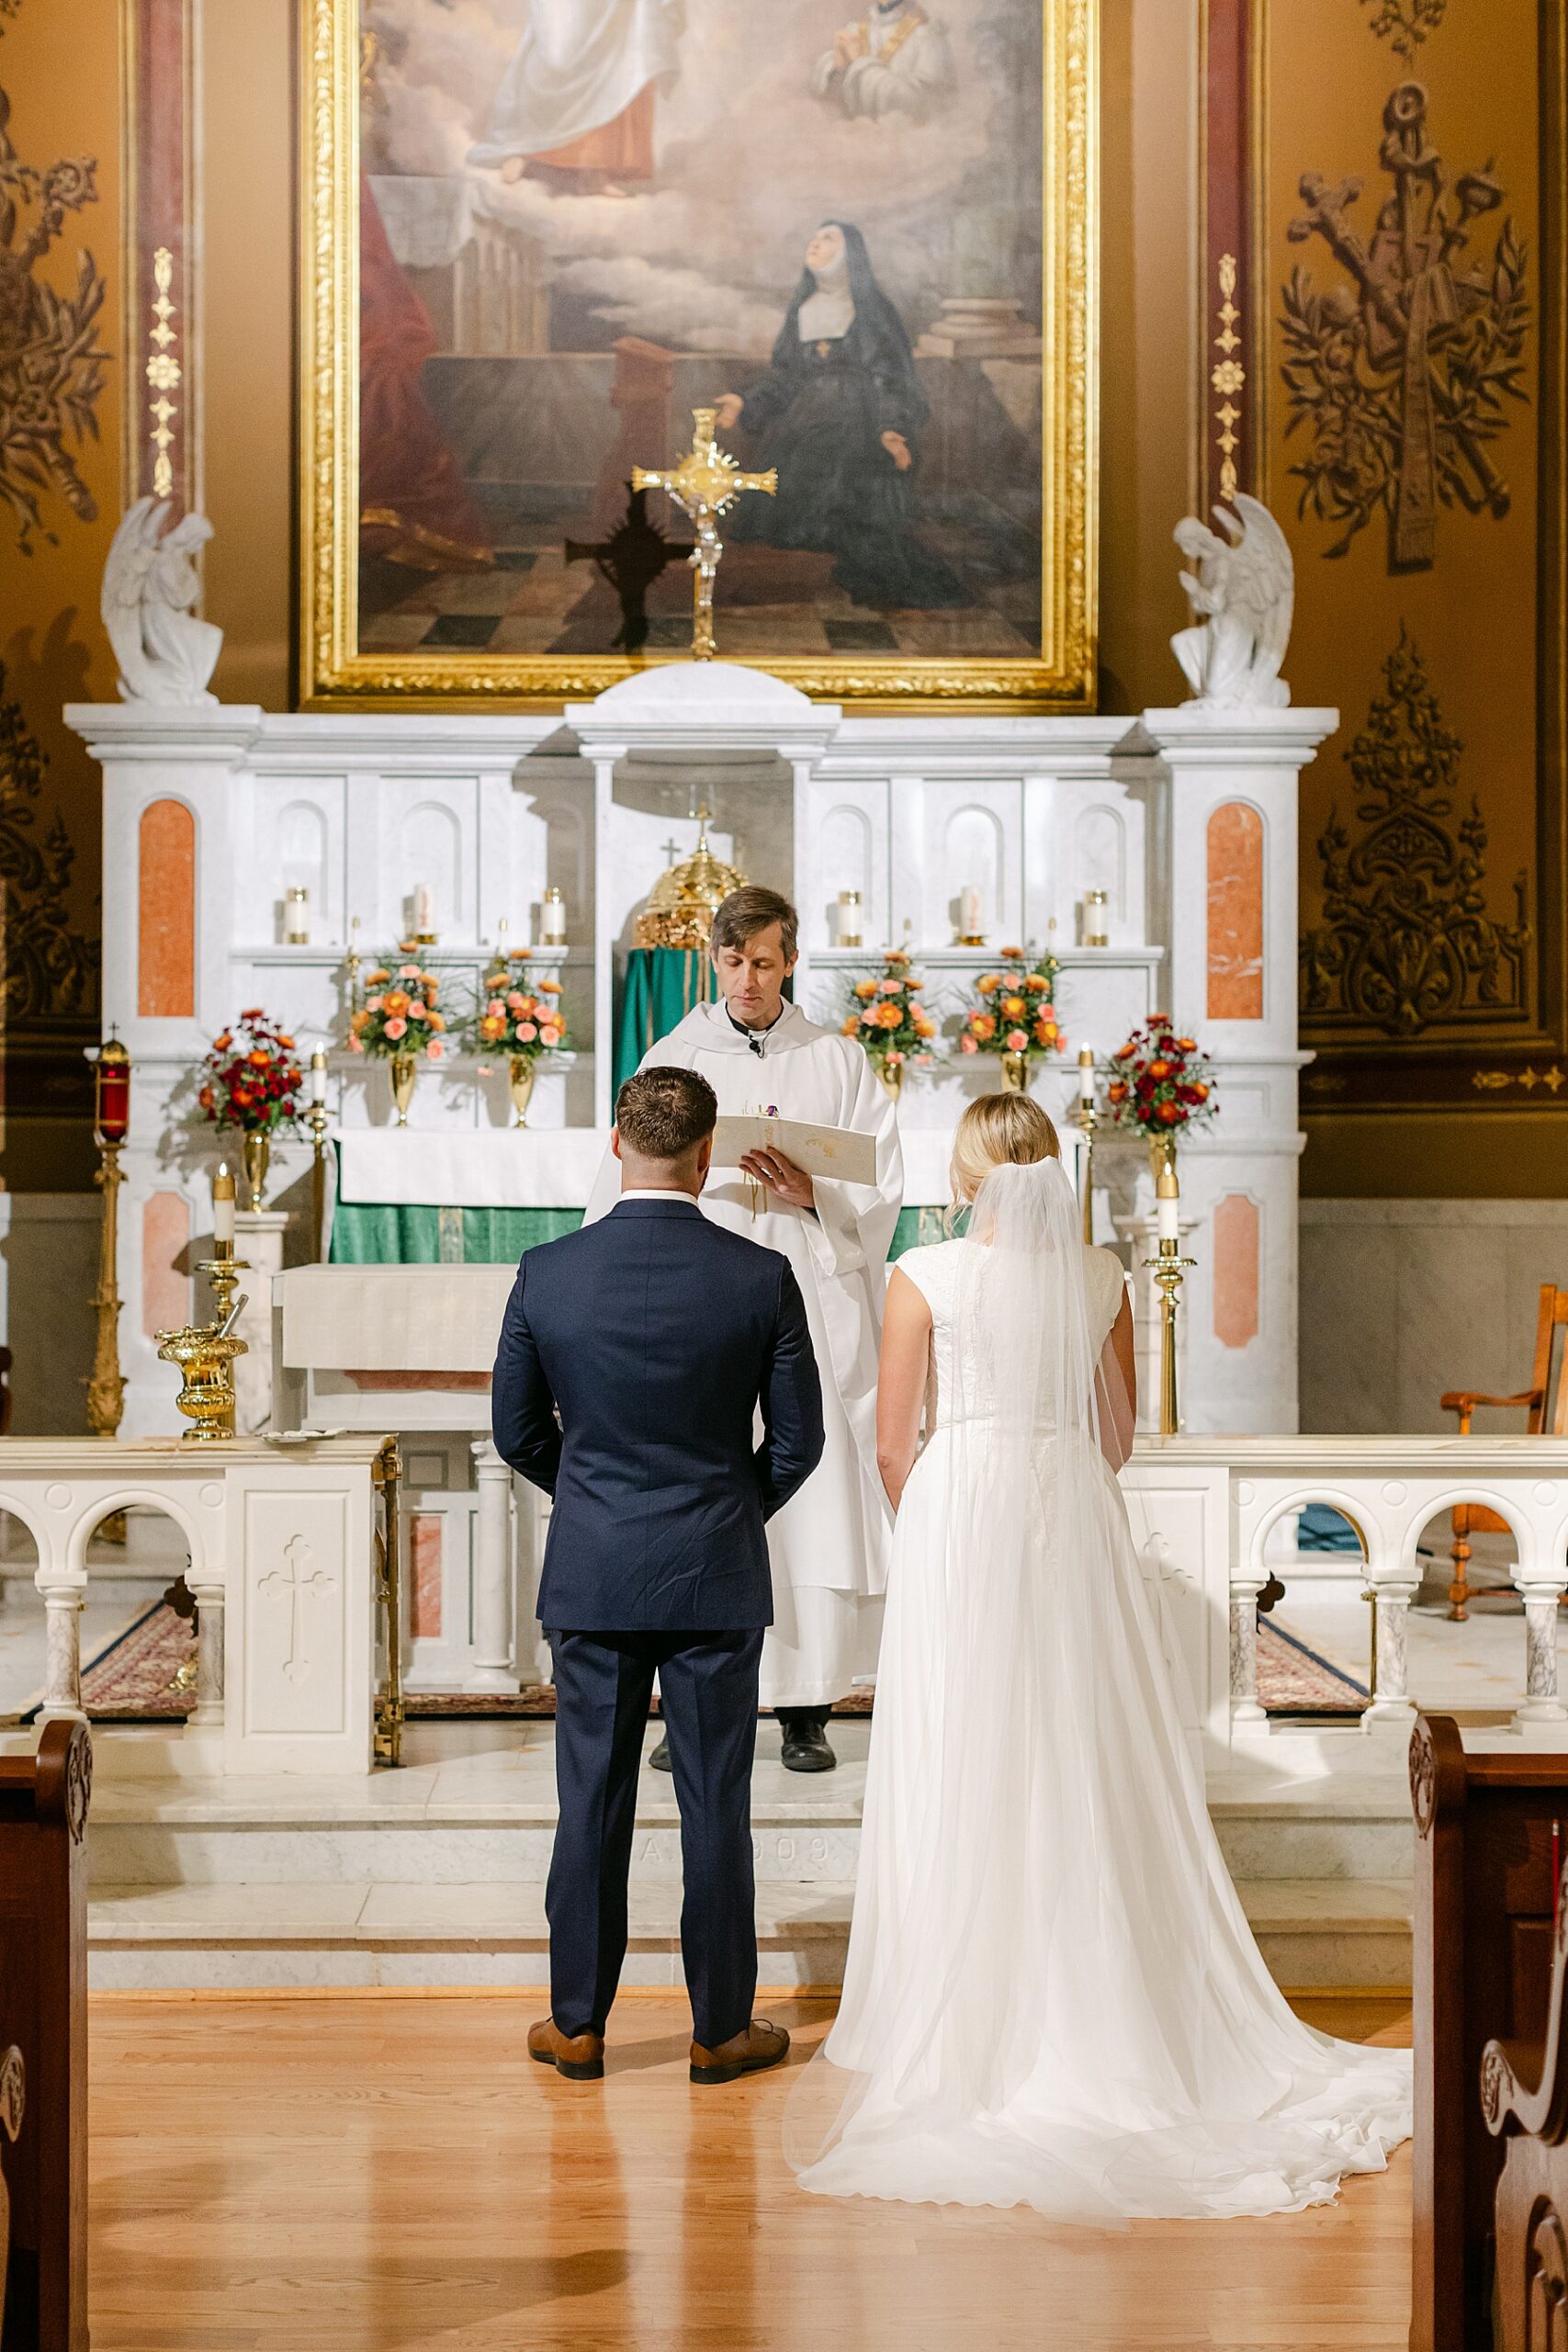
539	234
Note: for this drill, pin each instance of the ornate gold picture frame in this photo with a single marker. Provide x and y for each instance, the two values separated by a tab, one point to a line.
521	273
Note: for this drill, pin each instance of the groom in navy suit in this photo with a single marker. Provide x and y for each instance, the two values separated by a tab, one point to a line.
634	1358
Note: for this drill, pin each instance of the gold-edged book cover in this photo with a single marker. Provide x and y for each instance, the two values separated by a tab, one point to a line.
533	243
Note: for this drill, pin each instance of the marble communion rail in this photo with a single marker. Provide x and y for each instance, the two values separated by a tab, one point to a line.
1203	1509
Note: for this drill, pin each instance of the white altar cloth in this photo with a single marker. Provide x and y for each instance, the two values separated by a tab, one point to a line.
392	1319
545	1168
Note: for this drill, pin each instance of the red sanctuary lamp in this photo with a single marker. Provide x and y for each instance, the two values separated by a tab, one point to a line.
111	1125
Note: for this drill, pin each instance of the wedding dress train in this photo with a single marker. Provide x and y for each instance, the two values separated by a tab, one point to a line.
1051	1996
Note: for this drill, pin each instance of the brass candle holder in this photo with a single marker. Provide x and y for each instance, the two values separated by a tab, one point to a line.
1168	1269
352	963
1088	1117
318	1120
106	1388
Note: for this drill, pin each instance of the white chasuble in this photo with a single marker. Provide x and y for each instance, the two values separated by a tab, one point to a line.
833	1536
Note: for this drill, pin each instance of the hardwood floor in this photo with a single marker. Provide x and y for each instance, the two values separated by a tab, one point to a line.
353	2175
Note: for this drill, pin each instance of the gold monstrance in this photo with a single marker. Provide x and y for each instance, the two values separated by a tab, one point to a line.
683	903
706	481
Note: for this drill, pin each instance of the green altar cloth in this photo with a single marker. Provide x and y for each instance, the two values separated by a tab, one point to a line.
381	1232
660	987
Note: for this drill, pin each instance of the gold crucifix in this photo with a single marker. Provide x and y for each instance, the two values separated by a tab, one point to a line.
706	481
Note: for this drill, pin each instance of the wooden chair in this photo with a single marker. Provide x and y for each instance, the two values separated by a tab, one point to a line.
1482	1965
1524	2100
1471	1518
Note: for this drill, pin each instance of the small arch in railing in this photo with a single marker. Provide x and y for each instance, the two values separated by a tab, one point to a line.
168	1505
1335	1499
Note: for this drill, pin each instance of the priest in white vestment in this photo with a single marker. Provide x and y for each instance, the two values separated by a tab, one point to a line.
829	1546
576	98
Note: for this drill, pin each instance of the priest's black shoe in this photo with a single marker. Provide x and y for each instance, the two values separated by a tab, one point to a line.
659	1759
805	1747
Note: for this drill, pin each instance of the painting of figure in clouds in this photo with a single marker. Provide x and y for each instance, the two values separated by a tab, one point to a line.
577	220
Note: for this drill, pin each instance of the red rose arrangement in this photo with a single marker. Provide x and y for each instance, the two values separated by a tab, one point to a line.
1160	1083
512	1019
887	1017
1017	1012
251	1079
399	1015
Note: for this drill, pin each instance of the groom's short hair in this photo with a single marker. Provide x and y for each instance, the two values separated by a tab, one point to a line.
664	1113
746	912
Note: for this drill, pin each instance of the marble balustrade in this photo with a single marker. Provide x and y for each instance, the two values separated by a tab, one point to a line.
1203	1509
281	1541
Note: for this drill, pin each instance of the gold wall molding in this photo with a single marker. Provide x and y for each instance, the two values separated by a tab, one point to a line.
1227	377
331	668
163	373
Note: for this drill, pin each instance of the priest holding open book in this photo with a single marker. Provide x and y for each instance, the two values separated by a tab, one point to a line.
767	1062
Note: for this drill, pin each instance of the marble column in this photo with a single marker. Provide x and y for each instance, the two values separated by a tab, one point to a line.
258	1238
62	1599
493	1667
1246	1711
1392	1708
208	1712
1543	1710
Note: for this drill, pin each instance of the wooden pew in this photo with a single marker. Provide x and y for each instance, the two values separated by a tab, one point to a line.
1524	2098
13	2101
43	2011
1482	1965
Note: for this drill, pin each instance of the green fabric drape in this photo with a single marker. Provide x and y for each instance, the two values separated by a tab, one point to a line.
660	987
384	1233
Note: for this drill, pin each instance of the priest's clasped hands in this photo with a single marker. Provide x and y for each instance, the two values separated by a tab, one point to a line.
793	1185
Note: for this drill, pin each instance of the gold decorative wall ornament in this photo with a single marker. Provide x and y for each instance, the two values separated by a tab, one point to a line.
1406	24
1401	377
1227	377
707	482
1494	1081
51	367
50	967
163	373
1407	938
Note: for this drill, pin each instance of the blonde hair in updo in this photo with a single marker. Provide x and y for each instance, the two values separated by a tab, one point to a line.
996	1131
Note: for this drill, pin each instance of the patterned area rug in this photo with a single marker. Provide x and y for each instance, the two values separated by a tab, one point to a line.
134	1679
1293	1680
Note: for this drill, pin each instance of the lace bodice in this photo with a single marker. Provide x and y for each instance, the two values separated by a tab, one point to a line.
952	1390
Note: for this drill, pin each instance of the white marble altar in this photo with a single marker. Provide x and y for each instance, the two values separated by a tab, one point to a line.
1186	819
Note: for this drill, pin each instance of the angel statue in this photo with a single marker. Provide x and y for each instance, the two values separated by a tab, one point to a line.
151	582
1246	589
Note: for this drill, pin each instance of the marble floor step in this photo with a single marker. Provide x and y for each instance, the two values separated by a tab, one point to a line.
1317	1932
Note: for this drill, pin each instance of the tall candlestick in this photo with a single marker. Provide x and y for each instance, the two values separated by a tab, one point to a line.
106	1388
317	1125
1085	1073
223	1208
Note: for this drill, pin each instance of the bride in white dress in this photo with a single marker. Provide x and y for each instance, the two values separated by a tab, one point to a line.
1051	1996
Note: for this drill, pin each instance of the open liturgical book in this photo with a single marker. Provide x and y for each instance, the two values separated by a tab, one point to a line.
837	1152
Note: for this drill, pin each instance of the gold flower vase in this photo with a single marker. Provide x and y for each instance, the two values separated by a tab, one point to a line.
892	1076
256	1150
404	1070
1162	1154
1015	1073
521	1074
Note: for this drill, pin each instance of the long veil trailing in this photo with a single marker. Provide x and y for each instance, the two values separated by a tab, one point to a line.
1052	1995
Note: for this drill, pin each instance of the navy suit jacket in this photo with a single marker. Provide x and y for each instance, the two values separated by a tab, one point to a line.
633	1358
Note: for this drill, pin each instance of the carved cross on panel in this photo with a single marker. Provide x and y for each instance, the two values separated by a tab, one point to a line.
300	1582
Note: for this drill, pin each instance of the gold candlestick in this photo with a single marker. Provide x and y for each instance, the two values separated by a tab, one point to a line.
319	1122
1088	1120
1168	1269
352	963
106	1388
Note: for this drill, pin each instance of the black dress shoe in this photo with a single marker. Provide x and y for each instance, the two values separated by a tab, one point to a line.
659	1759
805	1748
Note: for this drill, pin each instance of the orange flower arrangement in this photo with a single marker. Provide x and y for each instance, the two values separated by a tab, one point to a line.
887	1017
514	1020
1017	1012
399	1014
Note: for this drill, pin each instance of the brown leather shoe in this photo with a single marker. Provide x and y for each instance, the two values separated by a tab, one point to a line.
760	2045
579	2056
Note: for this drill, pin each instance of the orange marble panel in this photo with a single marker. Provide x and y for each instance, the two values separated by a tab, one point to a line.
165	1286
1237	1272
166	945
1236	913
425	1582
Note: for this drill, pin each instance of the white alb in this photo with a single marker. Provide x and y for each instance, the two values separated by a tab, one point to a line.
1051	1996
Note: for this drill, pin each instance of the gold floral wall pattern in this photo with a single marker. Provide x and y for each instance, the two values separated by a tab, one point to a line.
51	366
1407	937
50	967
1402	369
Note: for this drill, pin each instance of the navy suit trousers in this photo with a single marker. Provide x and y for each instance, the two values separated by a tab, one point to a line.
603	1684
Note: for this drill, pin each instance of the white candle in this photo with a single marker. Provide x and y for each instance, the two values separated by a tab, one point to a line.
1085	1073
223	1207
424	909
552	919
318	1075
1169	1217
969	912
